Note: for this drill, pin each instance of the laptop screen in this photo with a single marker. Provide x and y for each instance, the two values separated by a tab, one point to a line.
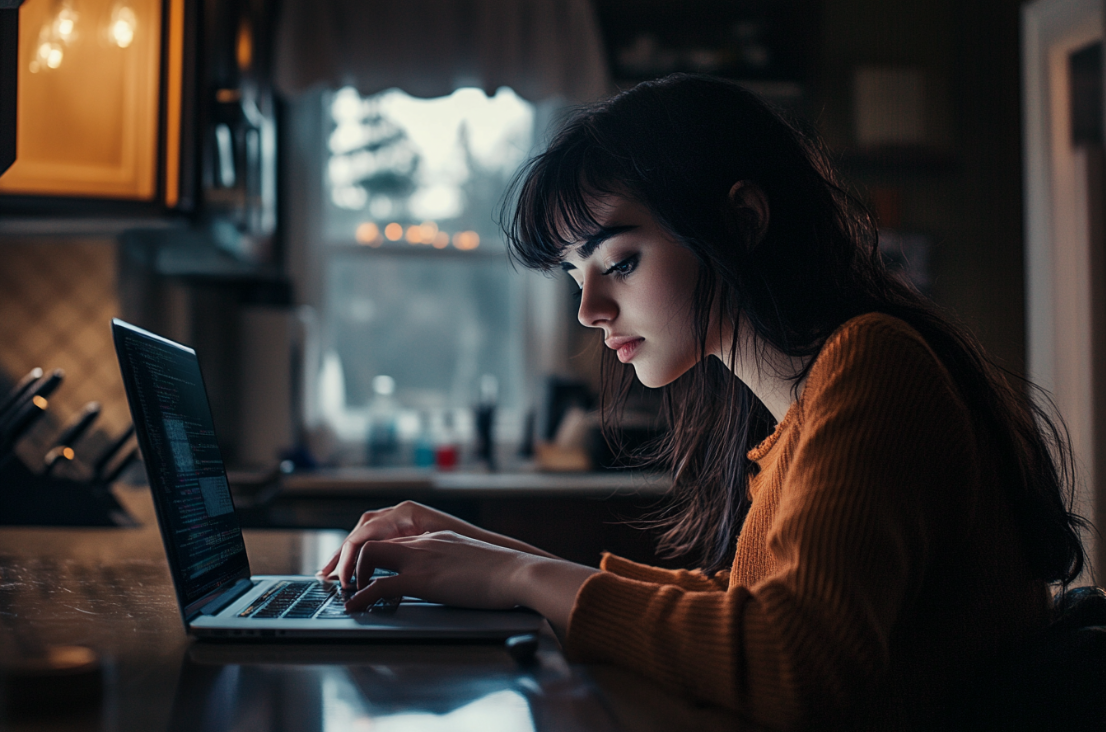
173	422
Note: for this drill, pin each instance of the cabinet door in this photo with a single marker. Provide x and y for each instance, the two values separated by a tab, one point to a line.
87	121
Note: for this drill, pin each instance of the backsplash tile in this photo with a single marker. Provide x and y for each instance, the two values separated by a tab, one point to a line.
57	299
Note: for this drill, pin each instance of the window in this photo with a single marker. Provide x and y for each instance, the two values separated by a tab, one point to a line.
416	286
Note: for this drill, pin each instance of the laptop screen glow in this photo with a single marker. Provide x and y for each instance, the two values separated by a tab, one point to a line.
177	435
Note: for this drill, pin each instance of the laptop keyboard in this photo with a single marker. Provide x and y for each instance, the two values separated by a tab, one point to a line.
300	601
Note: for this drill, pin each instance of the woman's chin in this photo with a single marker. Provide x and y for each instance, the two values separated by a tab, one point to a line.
653	380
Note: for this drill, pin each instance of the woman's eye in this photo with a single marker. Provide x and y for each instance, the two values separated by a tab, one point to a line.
624	267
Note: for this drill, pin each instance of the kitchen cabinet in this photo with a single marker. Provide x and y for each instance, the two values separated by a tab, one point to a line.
91	100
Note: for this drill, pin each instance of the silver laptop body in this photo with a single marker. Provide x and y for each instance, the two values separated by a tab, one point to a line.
218	596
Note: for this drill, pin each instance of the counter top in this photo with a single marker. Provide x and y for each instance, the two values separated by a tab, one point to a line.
362	481
108	590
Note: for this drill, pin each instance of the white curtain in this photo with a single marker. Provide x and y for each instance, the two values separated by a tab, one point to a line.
428	48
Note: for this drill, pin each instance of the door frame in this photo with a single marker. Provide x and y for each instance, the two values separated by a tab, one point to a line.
1063	272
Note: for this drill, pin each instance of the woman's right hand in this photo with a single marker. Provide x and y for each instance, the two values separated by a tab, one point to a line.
405	519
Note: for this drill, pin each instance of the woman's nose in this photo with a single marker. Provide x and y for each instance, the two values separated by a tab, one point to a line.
596	306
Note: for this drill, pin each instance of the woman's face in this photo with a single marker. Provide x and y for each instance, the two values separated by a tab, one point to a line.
637	285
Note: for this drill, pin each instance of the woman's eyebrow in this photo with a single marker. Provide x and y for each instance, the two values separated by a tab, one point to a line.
597	240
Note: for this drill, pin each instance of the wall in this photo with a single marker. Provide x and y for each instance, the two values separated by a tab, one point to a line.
971	202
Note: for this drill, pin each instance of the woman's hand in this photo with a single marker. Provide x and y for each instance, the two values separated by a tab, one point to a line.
446	567
406	519
442	566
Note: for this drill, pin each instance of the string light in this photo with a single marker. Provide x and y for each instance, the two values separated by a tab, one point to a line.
368	233
466	240
427	233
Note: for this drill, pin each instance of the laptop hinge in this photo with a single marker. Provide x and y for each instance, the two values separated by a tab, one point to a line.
235	591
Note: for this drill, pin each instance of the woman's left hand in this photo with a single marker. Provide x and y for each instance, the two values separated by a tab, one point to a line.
445	567
441	566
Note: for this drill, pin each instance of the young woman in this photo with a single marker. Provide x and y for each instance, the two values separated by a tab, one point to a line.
876	509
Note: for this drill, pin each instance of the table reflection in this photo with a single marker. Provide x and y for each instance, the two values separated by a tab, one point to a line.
396	687
109	591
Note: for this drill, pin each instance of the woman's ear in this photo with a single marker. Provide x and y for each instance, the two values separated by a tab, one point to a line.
748	203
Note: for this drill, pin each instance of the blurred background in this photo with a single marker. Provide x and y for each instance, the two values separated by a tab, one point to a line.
308	192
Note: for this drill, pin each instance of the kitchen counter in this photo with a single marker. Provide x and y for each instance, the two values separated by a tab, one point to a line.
577	516
370	481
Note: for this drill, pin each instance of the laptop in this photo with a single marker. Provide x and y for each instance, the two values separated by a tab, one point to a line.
218	596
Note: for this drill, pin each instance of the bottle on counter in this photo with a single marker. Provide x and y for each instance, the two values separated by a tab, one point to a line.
484	421
383	437
447	452
423	450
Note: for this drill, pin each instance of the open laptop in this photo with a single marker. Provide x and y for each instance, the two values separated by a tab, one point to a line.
217	595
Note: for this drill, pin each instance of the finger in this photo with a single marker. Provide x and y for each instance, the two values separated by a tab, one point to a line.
342	565
376	555
351	548
328	569
346	561
376	590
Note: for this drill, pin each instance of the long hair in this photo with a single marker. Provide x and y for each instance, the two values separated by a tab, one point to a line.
677	146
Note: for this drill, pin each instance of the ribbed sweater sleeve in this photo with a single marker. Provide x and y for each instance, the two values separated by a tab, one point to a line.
689	580
878	452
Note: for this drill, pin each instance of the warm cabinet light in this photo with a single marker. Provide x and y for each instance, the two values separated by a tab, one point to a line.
65	24
49	56
93	77
52	39
122	26
61	31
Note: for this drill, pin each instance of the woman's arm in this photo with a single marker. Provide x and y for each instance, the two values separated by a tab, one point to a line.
447	567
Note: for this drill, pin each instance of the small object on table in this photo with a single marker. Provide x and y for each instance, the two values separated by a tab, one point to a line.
55	680
523	648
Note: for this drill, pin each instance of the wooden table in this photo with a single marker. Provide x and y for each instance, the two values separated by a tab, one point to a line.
109	590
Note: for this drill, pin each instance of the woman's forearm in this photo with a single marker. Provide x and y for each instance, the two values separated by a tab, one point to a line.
549	586
506	541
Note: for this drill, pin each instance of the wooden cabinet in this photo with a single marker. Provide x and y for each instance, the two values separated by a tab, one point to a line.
91	100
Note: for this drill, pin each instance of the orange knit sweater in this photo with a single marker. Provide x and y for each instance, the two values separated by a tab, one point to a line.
878	565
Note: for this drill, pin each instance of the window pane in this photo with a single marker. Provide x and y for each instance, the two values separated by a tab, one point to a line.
442	163
435	325
431	300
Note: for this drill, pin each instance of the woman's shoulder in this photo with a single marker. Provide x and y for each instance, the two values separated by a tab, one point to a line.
873	337
874	326
876	352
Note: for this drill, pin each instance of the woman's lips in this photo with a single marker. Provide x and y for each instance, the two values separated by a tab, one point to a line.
625	345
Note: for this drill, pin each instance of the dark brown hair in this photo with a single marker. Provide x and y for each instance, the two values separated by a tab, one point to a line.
677	146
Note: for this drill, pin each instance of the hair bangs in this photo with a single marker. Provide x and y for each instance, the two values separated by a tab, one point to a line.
553	196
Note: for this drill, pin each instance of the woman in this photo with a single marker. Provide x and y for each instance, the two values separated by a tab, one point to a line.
876	508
